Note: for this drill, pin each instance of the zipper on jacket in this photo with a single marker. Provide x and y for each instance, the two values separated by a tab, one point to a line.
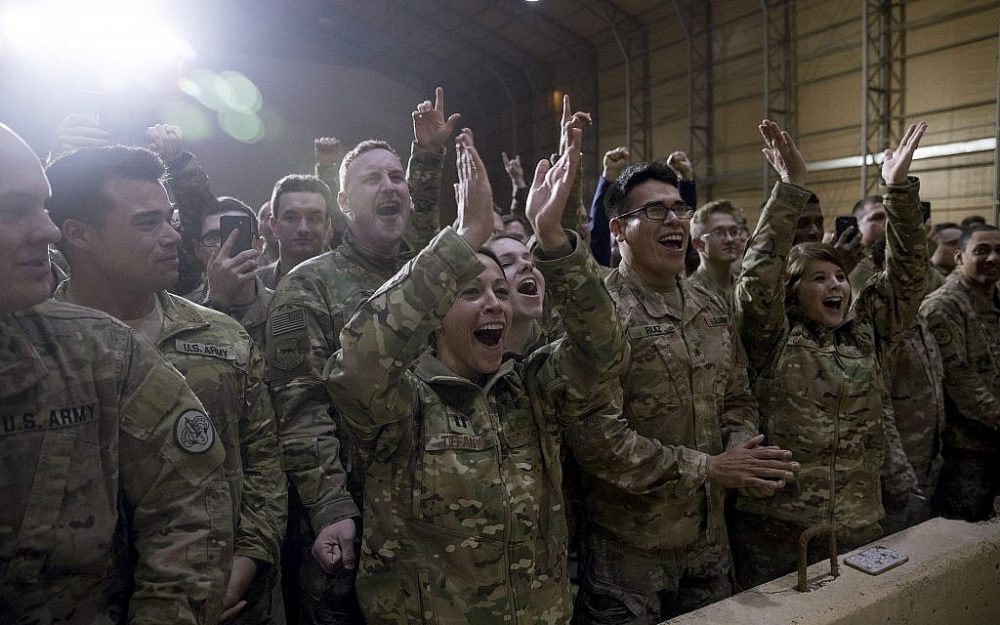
831	507
508	520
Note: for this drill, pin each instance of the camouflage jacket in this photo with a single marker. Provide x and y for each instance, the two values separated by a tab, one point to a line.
686	389
253	317
701	280
225	370
916	373
966	326
821	391
464	513
862	273
103	443
309	309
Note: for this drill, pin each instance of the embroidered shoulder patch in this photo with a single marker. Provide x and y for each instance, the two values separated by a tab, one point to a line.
288	353
942	335
288	321
194	432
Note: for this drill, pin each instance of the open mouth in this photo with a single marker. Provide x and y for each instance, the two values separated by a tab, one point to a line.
388	209
673	241
528	286
833	304
489	334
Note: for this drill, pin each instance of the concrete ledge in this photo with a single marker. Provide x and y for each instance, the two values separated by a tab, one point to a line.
952	578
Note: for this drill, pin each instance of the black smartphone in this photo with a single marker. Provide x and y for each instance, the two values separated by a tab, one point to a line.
842	223
925	210
244	240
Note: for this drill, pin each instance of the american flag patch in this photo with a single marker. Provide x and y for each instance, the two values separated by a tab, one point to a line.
288	322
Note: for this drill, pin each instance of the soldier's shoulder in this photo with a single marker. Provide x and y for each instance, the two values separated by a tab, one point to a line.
950	295
85	324
218	323
321	277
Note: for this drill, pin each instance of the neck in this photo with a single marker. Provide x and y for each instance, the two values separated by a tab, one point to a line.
93	291
287	262
720	273
517	335
984	289
389	251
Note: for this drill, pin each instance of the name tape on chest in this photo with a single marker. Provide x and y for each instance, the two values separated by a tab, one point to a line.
49	418
717	320
204	349
656	329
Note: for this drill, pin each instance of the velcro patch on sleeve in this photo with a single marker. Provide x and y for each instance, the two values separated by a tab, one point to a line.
288	321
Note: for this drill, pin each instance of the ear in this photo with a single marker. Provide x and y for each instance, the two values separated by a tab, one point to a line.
958	256
615	225
342	202
698	244
78	234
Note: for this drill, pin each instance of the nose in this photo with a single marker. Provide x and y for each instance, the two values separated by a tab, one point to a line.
43	231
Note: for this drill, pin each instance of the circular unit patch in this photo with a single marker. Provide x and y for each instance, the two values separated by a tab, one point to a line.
194	432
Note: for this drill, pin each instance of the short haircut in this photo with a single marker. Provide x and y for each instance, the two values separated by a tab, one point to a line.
227	204
78	180
971	230
297	183
972	220
936	228
865	202
705	212
365	146
632	176
264	208
799	257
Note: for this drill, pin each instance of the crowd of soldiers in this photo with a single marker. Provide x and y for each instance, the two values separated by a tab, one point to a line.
536	414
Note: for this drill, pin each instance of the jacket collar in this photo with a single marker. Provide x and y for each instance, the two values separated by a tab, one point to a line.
435	373
653	301
372	261
179	315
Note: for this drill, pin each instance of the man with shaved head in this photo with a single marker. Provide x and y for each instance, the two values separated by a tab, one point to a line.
115	502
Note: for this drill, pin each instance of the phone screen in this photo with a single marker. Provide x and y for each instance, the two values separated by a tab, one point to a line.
228	223
844	222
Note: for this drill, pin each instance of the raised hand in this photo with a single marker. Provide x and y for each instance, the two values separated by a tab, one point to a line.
896	164
228	276
328	150
615	161
782	153
165	140
514	170
578	120
430	129
473	193
77	131
681	165
549	192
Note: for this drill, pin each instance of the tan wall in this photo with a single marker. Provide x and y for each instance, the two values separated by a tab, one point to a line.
950	83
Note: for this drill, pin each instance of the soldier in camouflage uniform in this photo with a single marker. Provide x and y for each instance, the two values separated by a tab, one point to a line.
654	555
464	517
309	310
114	214
818	368
964	317
718	237
115	503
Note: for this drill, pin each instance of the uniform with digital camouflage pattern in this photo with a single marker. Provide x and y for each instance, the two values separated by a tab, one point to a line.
665	552
464	512
821	391
116	506
916	374
966	326
310	308
225	370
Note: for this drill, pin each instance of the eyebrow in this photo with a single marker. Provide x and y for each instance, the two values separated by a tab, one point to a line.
155	212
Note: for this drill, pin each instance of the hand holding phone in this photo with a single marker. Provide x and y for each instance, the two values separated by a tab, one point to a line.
842	223
244	238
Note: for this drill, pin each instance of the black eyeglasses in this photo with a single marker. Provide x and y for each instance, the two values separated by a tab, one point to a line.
660	212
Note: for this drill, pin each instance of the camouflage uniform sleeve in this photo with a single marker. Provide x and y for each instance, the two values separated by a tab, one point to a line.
330	174
898	475
963	384
263	504
586	362
519	202
423	174
191	191
760	289
387	333
739	420
605	446
892	299
300	337
174	494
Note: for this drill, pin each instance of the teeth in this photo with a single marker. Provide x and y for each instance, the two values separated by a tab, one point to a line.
490	326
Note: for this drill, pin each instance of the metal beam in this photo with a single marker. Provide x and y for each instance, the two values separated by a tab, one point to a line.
883	79
695	17
780	80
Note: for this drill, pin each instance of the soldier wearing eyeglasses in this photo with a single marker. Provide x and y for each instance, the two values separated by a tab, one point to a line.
656	555
718	237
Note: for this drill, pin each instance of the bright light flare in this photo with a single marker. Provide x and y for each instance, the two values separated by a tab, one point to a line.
110	37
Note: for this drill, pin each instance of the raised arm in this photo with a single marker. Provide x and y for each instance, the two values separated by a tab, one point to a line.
423	172
760	289
892	299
